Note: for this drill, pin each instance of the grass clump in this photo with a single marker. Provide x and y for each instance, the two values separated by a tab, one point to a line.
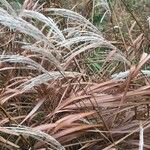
65	85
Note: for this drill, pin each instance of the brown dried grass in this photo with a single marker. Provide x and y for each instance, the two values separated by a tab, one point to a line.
47	99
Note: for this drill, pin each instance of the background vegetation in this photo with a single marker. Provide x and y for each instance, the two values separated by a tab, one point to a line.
74	75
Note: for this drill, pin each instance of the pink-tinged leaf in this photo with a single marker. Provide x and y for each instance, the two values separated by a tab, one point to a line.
103	84
105	100
145	58
38	105
8	143
73	130
6	120
11	94
72	100
43	127
68	120
110	55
